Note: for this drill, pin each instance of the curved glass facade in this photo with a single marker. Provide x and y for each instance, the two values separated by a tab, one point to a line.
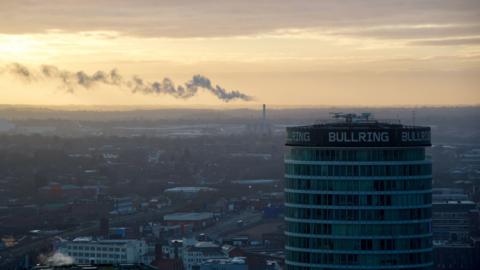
357	208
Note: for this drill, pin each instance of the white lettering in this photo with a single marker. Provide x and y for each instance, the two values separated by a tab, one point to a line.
298	136
362	136
385	137
369	134
331	137
415	136
348	137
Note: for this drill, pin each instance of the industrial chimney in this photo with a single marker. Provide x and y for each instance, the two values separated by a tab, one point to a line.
264	115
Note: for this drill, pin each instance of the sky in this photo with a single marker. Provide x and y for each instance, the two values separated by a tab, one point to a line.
282	52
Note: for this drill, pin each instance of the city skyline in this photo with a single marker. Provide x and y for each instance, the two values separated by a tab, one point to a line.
239	135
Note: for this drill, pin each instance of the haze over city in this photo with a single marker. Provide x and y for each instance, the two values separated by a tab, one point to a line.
239	135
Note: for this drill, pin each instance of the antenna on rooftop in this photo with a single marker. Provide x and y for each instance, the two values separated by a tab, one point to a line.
352	117
413	117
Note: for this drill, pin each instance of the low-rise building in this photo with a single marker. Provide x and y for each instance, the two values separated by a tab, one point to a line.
123	206
448	194
89	250
165	231
173	249
194	256
239	241
195	253
456	256
235	263
197	219
451	220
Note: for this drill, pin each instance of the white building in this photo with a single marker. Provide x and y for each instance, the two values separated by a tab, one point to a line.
194	253
200	253
235	263
174	249
89	250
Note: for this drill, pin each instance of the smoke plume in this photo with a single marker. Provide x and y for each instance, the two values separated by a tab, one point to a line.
56	259
71	81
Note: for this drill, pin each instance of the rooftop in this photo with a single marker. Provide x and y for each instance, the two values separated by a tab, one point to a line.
204	244
91	240
96	267
188	216
254	181
371	124
234	260
189	189
358	131
361	121
445	244
455	202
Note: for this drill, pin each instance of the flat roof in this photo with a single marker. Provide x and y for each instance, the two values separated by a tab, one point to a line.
359	124
254	181
189	189
188	216
454	202
91	240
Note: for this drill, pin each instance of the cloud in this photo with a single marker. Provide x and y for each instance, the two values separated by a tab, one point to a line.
210	18
425	31
448	42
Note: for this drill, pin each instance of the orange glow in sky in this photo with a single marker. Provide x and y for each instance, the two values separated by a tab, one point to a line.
368	53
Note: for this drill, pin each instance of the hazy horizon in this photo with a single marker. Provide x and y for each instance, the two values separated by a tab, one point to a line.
181	134
221	106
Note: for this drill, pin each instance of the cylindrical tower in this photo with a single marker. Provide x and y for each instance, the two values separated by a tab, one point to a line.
358	196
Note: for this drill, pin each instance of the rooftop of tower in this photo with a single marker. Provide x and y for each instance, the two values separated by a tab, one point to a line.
359	121
358	130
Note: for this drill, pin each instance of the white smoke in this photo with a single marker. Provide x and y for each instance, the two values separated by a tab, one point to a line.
70	81
56	259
